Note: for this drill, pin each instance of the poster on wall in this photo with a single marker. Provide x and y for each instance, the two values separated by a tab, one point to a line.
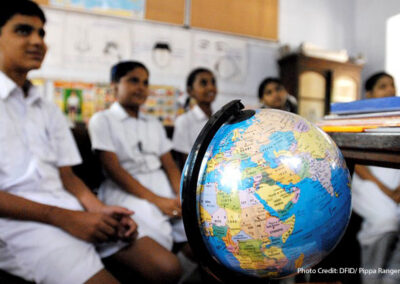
163	103
125	8
75	99
225	56
79	100
103	97
94	44
163	49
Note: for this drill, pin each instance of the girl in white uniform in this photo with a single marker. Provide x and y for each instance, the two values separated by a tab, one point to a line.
201	87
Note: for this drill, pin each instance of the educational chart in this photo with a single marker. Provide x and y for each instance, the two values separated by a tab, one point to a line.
95	43
227	57
125	8
164	50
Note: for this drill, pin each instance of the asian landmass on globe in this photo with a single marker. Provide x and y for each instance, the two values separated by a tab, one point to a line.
273	195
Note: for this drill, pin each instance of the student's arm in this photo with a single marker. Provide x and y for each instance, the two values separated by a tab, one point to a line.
173	173
75	186
91	227
121	177
125	226
364	173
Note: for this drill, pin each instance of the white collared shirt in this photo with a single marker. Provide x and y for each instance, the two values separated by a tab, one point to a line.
34	141
138	142
187	128
380	213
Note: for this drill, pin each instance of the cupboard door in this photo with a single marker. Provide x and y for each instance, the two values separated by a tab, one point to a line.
312	95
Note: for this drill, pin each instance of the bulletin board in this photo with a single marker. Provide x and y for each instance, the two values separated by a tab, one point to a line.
260	19
171	11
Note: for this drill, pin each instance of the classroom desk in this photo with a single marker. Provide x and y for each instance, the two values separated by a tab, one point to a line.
374	149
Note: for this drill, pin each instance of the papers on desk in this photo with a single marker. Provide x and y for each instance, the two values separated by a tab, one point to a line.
362	115
369	115
372	124
383	130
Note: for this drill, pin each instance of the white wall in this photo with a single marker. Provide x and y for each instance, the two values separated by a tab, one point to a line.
326	23
392	61
370	31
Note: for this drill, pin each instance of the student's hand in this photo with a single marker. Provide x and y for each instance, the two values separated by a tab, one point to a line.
116	212
89	226
127	228
169	206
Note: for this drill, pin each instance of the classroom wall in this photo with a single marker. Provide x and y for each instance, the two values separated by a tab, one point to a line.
326	23
370	31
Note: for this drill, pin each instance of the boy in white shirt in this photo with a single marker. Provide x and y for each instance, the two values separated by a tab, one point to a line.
49	220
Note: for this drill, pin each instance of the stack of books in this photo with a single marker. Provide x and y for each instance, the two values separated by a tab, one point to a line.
368	115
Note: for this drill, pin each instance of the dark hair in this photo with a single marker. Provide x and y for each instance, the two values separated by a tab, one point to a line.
120	69
371	81
265	82
192	76
24	7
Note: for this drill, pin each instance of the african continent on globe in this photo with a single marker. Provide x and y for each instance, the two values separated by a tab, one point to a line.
273	195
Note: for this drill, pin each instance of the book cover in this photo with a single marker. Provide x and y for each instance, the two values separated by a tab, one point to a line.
367	105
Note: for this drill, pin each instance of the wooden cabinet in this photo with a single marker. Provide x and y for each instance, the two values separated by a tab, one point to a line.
318	82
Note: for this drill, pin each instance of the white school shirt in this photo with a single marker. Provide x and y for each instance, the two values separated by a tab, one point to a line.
34	142
138	142
380	212
187	128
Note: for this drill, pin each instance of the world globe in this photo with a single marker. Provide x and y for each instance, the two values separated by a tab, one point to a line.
265	193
